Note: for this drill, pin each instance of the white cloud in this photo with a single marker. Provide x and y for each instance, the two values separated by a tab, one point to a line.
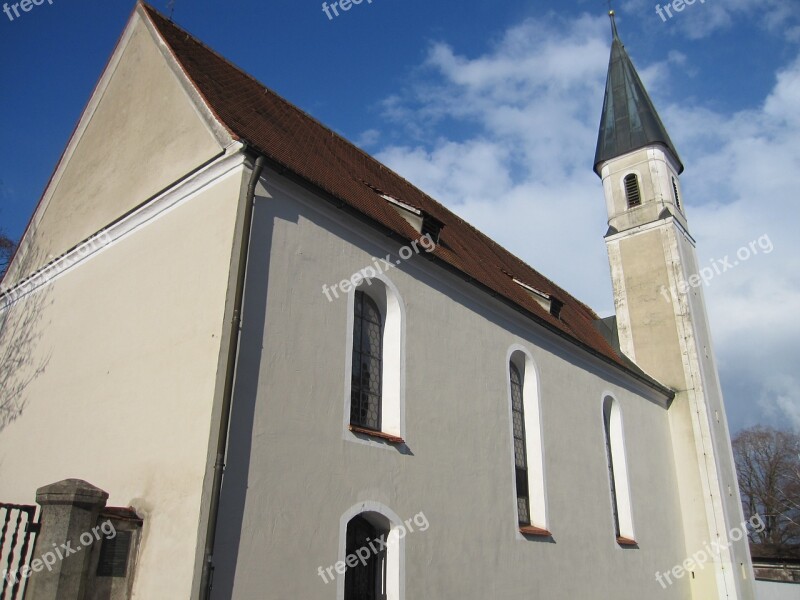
779	400
368	138
507	139
703	18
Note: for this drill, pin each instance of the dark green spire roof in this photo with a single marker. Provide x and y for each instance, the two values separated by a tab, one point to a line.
629	120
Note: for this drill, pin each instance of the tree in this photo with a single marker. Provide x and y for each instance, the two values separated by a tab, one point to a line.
768	467
7	247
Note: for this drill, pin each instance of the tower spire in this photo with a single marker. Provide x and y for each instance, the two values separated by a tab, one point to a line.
612	15
629	120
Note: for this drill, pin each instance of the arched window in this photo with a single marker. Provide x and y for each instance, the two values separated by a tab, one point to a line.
520	447
617	472
366	580
375	367
632	192
527	441
366	388
371	553
675	191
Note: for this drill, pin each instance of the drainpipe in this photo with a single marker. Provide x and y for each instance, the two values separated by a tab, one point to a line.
233	350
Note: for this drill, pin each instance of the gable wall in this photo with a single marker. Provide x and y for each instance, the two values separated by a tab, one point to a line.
139	134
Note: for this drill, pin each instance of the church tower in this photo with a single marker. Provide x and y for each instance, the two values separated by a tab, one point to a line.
663	326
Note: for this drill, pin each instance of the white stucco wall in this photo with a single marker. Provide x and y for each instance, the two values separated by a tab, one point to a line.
140	132
293	470
771	590
121	362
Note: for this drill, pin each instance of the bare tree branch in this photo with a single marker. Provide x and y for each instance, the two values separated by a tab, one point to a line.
768	466
22	359
7	247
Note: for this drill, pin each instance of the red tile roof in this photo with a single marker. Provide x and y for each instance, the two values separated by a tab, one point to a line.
293	140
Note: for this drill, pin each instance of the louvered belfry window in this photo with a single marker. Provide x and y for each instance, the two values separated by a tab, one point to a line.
632	192
520	451
675	189
365	399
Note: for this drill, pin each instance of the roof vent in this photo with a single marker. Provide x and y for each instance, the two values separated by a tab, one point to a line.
431	226
548	302
555	307
420	220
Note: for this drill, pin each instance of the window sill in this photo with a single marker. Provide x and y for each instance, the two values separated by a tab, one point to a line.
392	439
531	530
623	541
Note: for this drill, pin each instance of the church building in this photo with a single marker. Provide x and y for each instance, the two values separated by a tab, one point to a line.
283	371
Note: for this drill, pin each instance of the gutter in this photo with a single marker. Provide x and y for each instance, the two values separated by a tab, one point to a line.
227	397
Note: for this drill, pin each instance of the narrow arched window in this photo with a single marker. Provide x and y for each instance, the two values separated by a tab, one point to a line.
366	387
365	578
675	191
617	472
526	434
632	192
520	447
611	476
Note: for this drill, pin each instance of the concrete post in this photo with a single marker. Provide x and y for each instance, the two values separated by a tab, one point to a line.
69	508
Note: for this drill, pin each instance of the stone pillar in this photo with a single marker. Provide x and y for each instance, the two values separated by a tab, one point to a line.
69	508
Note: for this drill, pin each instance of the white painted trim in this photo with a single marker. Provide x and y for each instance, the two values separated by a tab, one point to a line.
533	290
401	204
395	552
618	458
224	167
624	327
534	438
649	226
699	397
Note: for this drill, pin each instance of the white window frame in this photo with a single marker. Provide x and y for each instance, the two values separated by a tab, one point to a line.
395	547
534	442
393	381
615	433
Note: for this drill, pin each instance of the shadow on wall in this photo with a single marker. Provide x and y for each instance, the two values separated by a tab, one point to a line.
248	373
21	331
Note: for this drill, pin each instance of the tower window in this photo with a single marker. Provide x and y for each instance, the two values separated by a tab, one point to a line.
365	403
632	192
675	191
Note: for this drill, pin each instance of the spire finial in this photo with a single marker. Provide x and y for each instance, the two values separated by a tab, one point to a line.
611	15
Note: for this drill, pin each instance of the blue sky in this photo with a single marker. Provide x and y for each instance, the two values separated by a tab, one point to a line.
492	108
